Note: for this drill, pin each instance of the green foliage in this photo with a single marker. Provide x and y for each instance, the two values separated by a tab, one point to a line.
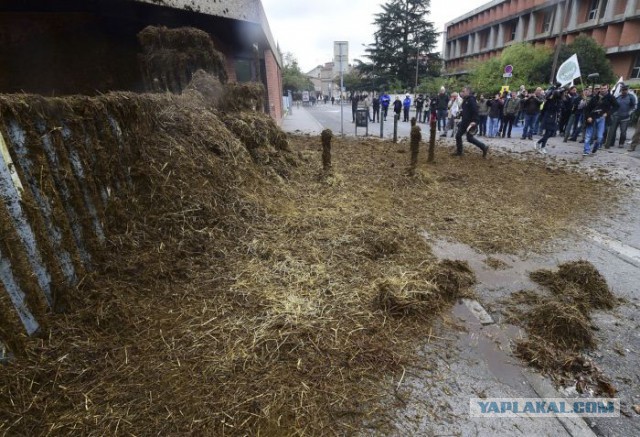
352	81
431	85
403	35
591	57
531	66
292	77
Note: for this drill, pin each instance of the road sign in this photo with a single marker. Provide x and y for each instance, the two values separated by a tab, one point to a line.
507	75
508	69
340	56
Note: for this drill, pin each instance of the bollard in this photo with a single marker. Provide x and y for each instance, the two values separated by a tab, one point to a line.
416	137
432	140
395	127
326	136
381	124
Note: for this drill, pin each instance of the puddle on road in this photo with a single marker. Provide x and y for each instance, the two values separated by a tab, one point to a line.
491	344
498	282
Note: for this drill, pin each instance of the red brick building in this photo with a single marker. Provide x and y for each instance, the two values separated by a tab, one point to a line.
90	46
487	30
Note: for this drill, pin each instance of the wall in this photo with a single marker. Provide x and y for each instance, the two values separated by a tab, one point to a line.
63	161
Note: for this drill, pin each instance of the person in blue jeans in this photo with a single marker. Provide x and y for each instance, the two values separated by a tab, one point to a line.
442	106
495	109
597	110
483	114
531	108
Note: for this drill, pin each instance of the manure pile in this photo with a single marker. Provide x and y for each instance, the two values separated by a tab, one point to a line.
215	286
560	328
241	290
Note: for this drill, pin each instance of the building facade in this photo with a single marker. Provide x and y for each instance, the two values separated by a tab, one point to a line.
489	29
325	79
90	46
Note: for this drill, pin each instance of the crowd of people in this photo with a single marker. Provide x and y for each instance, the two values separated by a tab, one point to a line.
595	116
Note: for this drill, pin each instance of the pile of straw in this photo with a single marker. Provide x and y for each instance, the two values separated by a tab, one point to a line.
581	279
170	57
563	324
559	325
238	294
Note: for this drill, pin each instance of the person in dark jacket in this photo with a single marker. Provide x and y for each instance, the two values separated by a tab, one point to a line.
397	107
433	110
531	108
442	106
549	118
574	113
565	111
419	107
511	109
580	120
495	110
354	106
598	109
376	109
483	113
468	123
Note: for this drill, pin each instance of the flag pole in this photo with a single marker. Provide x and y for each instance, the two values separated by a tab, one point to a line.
556	55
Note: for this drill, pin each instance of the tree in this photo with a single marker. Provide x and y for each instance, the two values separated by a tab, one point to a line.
591	57
531	67
352	80
403	33
292	77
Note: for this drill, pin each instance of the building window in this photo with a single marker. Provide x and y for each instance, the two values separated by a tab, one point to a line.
635	71
546	20
243	70
484	40
464	45
514	28
603	8
593	10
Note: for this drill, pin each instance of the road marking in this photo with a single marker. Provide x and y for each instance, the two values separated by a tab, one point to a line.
625	252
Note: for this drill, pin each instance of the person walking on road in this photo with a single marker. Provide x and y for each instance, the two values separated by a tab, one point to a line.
468	123
574	114
442	105
531	107
581	116
511	110
419	107
367	105
397	107
406	106
483	114
354	107
495	110
549	118
385	101
627	103
376	109
455	102
599	108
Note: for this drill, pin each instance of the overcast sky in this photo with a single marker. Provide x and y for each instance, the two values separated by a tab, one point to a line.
308	28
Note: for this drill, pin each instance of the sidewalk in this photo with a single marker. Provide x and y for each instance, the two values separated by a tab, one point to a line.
300	121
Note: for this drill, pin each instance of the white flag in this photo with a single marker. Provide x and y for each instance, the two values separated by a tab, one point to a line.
568	71
617	88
